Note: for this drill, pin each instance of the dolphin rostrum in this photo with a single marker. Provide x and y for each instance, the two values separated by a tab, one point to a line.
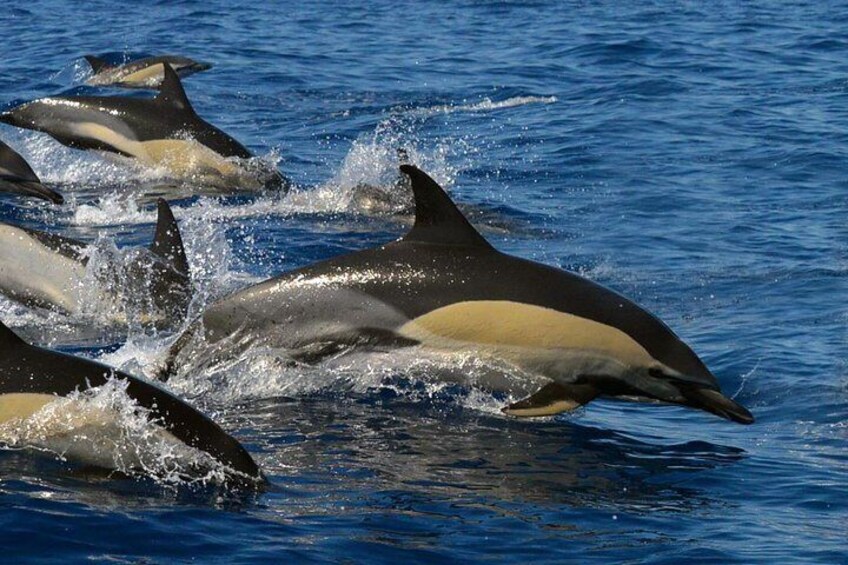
444	286
48	270
17	176
32	377
141	73
161	132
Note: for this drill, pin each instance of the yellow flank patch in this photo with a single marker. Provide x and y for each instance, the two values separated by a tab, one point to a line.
145	75
500	323
185	156
180	156
20	405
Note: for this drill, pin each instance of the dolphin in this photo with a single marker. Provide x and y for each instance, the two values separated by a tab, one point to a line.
16	176
32	377
48	270
162	132
141	73
443	286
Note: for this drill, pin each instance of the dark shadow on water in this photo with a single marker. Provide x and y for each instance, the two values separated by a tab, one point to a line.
383	448
42	475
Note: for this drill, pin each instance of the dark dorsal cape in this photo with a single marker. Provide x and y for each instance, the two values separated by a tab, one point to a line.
28	369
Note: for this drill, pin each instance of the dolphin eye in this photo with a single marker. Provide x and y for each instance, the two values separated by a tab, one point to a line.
656	372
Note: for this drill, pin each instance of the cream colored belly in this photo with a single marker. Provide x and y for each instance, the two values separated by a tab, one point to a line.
82	430
20	406
543	340
31	271
181	157
147	76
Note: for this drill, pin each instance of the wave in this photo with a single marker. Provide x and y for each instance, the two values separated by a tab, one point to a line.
486	104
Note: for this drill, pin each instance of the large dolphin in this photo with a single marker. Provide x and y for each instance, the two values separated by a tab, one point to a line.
48	270
164	131
32	377
444	286
141	73
17	176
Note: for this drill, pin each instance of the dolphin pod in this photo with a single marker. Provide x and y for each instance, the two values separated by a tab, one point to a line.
148	72
48	270
17	177
161	132
444	286
31	377
441	286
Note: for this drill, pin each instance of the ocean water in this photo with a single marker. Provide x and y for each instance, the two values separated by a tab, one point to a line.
689	155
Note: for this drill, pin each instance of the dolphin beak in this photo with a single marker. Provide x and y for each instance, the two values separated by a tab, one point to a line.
38	190
198	67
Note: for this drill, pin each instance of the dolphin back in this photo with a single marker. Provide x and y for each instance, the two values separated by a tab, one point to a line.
25	368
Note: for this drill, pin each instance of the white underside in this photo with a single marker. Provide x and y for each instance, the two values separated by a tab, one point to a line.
81	430
29	271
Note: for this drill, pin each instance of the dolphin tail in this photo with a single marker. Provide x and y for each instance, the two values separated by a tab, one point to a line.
715	402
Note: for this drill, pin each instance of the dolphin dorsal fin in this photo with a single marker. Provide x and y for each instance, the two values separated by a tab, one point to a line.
171	91
437	219
97	64
168	243
8	338
11	163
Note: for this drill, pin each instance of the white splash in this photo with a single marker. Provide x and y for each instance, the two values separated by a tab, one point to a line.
486	105
104	427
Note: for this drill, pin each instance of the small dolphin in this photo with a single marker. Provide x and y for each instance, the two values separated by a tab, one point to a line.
48	270
444	286
32	377
148	72
164	131
17	176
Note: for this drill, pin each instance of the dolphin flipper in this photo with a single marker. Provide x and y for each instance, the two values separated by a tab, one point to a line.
552	399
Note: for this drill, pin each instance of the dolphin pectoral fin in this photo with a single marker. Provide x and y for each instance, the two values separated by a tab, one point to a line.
715	402
335	344
551	399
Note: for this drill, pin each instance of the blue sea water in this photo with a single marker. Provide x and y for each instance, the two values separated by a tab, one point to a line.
689	155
